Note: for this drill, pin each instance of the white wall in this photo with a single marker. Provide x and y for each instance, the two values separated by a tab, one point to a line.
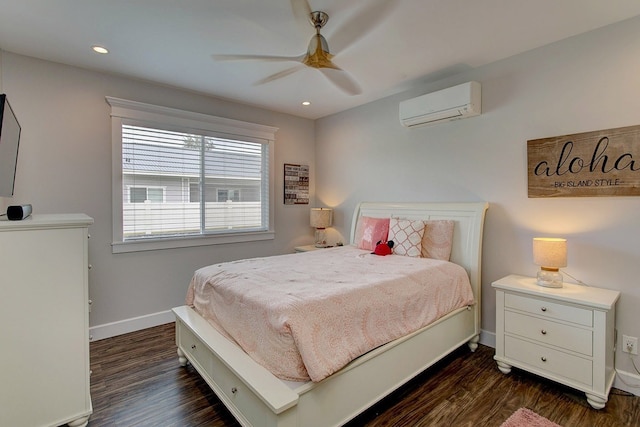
64	165
585	83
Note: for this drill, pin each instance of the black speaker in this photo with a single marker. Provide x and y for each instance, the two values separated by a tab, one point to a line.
18	212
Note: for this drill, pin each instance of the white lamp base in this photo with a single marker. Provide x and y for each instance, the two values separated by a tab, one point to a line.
320	238
549	278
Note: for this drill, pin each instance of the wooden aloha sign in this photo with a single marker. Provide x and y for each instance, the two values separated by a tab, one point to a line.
601	163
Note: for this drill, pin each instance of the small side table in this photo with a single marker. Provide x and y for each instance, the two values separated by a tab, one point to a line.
564	334
308	248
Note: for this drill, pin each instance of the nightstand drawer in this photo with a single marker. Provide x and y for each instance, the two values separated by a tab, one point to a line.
552	310
546	359
548	332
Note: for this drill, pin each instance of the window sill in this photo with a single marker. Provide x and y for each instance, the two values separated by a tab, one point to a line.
176	243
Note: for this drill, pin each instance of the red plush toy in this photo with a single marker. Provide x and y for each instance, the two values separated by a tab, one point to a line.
383	248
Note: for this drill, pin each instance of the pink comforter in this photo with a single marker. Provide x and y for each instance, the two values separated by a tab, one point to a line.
305	316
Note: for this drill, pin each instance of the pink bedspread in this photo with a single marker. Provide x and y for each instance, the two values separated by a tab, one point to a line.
304	316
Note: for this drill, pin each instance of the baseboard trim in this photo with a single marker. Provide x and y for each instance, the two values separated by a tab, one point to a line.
108	330
488	338
627	381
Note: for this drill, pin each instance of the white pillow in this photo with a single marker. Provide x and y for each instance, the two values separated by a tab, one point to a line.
407	236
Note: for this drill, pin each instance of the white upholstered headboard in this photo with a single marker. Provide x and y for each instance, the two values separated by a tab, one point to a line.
467	233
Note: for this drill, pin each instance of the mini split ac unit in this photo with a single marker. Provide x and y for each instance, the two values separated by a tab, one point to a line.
456	102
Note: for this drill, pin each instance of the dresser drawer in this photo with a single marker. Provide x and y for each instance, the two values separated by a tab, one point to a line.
549	360
194	349
238	398
548	332
551	310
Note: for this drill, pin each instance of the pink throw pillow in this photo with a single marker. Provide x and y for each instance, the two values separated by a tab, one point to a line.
438	239
369	231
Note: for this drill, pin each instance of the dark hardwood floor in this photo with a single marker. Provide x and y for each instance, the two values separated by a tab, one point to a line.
137	381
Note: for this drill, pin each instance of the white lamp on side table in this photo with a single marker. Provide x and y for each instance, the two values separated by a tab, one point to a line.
320	219
550	254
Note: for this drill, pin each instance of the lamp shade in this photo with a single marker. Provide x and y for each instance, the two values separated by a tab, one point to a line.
550	252
321	217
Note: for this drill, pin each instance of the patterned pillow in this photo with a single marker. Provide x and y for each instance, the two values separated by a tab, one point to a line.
438	239
407	236
369	231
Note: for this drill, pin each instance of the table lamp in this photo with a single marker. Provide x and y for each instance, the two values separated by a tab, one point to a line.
320	219
550	254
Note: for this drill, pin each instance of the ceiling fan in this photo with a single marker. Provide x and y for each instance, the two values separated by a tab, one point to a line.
318	55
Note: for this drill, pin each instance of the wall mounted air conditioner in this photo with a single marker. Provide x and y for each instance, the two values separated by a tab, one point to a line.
453	103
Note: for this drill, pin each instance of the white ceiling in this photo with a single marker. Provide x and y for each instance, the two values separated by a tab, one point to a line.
172	41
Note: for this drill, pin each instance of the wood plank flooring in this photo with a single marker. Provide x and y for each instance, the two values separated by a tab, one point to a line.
137	381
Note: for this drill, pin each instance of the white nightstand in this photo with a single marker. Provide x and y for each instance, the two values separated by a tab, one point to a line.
306	248
564	334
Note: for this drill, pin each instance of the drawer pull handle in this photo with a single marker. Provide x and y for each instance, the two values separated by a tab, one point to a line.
193	346
544	359
543	308
543	332
234	390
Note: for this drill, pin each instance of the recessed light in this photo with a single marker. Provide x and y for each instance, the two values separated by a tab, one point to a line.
305	103
99	49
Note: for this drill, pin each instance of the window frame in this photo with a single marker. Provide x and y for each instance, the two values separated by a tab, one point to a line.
136	113
147	188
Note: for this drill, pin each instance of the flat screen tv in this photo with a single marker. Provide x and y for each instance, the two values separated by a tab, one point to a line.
9	142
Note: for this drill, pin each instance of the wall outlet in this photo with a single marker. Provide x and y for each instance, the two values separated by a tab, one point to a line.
629	344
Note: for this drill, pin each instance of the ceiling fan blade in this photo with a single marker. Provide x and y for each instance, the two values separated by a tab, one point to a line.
279	75
362	23
342	80
268	58
302	13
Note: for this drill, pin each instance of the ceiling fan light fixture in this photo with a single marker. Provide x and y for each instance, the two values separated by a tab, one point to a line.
318	55
318	19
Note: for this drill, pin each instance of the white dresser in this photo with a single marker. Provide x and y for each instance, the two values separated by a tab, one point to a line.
44	321
564	334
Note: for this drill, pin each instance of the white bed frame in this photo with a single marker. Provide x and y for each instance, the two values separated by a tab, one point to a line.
257	398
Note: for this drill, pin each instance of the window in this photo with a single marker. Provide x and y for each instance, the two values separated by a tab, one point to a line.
146	194
185	179
225	194
194	192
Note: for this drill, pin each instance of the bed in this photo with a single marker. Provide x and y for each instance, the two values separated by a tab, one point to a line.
256	397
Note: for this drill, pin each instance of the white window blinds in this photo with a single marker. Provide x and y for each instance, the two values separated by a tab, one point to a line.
184	179
177	184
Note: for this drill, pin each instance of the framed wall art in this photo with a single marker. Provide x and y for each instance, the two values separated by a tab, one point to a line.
296	184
